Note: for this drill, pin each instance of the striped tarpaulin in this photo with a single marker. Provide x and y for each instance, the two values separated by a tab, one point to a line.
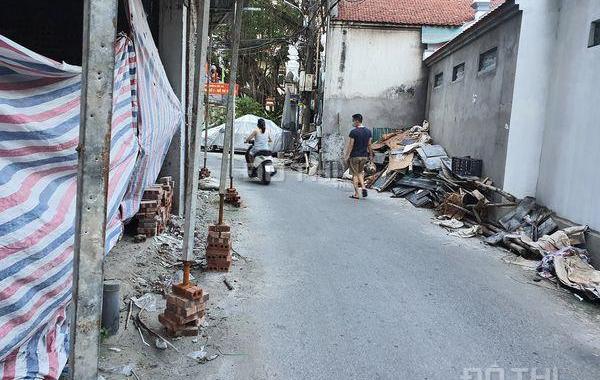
39	122
160	112
39	126
124	146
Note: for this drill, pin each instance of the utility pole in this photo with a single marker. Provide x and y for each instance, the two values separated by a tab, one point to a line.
99	32
232	153
190	88
191	185
228	138
309	65
204	172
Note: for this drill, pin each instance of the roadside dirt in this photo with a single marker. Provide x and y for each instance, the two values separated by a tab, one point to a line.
148	269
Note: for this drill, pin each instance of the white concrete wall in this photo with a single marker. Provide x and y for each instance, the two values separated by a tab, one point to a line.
537	43
375	71
375	60
569	175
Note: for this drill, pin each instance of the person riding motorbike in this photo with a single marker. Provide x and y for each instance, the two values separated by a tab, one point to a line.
261	140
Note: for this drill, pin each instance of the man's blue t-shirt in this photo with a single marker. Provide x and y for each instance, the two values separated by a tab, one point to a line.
361	136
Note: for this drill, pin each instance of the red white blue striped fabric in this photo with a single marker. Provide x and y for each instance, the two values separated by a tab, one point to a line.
39	122
160	112
39	125
124	147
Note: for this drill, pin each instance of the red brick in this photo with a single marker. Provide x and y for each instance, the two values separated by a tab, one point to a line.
182	302
217	269
183	320
219	262
148	203
213	257
165	180
186	312
190	292
218	242
219	228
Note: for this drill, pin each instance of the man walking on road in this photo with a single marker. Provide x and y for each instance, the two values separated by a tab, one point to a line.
357	155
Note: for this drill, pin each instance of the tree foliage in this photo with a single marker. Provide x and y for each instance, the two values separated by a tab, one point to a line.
269	26
244	105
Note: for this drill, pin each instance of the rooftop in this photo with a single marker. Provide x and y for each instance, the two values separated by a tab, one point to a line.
409	12
501	11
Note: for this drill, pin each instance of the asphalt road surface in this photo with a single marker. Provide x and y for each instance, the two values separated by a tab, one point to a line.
371	289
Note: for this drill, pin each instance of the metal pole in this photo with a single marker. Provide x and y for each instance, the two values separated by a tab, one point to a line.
191	25
310	61
232	149
99	31
237	31
191	184
207	104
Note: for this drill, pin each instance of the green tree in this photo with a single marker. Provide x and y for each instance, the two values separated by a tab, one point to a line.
269	26
245	105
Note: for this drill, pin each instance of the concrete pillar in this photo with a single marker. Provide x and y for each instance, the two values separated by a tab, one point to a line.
172	37
99	31
537	43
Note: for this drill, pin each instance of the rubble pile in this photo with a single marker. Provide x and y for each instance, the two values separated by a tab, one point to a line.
155	208
304	157
410	166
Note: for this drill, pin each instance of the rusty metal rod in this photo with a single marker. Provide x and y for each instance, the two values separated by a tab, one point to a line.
187	266
221	207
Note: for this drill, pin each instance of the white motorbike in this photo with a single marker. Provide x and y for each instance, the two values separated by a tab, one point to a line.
261	166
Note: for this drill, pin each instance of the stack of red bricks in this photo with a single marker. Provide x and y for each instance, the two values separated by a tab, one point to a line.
204	173
232	197
218	249
155	208
185	311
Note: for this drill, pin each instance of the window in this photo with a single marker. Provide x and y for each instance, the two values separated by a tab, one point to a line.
487	60
595	34
438	80
458	72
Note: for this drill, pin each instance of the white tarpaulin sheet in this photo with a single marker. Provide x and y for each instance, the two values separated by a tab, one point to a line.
242	128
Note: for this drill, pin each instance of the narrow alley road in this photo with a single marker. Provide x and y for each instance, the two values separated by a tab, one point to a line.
371	289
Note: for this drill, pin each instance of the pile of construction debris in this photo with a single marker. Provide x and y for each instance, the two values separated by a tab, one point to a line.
304	155
411	167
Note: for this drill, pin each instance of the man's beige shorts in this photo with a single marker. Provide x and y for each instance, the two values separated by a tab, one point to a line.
357	165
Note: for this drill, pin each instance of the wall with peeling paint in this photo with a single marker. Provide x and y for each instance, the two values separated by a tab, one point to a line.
376	71
471	116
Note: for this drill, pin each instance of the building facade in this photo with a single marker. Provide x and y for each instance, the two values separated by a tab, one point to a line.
470	90
533	117
374	63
